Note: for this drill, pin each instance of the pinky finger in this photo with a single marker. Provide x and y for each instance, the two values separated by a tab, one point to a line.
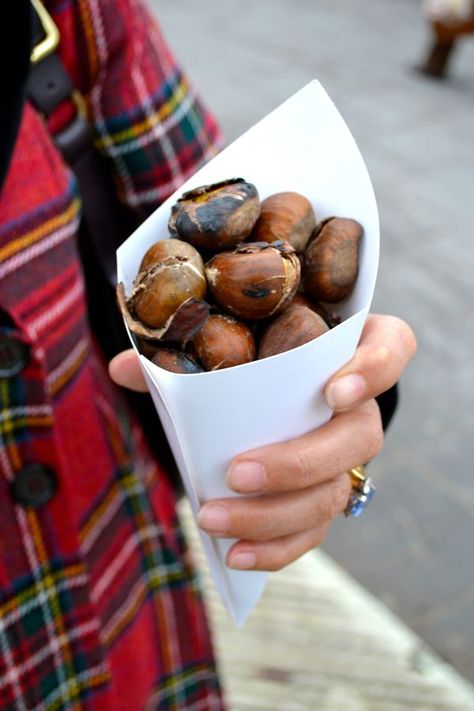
276	554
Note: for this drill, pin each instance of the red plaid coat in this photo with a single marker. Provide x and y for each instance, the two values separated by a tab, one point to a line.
98	606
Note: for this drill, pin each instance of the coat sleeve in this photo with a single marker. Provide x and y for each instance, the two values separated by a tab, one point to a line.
150	125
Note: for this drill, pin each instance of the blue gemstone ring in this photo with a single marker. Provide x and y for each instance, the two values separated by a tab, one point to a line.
362	492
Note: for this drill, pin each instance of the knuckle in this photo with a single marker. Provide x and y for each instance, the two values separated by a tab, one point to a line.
264	527
340	491
325	507
303	468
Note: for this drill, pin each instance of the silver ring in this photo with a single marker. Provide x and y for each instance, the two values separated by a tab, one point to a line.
362	492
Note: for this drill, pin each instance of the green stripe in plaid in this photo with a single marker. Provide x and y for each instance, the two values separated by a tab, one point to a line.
50	652
170	692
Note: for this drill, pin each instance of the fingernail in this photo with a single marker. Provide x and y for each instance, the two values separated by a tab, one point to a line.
345	391
247	476
242	561
214	518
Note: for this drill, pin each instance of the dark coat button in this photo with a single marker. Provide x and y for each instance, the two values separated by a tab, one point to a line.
34	485
13	356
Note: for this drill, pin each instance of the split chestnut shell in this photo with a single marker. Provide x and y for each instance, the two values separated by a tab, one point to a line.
166	302
215	217
255	280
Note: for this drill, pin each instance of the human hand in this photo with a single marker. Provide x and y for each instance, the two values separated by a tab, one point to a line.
295	489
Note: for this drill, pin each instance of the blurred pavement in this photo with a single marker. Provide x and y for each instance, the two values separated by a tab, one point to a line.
414	548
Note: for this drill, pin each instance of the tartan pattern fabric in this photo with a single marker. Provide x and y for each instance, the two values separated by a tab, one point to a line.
99	607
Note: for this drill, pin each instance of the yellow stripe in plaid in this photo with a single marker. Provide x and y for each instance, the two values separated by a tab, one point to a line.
54	386
82	682
137	129
53	606
87	26
10	443
21	243
23	602
10	424
153	562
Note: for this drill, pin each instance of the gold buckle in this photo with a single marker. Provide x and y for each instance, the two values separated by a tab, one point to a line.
51	40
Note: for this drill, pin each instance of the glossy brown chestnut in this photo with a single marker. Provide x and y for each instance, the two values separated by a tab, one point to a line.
223	342
331	260
165	284
215	217
295	326
285	216
332	319
254	281
175	361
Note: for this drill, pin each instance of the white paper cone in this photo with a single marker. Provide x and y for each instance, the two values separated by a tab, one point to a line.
303	146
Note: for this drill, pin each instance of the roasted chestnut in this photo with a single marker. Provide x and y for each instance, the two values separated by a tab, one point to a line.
215	217
332	319
285	216
295	326
255	280
175	361
167	299
331	260
164	285
166	248
223	342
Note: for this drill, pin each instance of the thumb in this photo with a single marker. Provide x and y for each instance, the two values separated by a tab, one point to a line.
124	369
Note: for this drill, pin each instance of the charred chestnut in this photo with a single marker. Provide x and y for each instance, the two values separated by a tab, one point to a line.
255	280
331	260
215	217
295	326
223	342
285	216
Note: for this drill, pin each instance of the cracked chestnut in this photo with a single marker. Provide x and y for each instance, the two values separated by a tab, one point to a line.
168	281
285	216
215	217
331	260
166	302
255	280
223	342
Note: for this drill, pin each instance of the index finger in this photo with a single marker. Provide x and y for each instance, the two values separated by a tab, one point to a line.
343	443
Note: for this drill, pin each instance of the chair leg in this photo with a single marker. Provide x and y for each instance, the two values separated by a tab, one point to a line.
437	59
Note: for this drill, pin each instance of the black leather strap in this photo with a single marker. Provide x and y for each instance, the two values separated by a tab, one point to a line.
14	68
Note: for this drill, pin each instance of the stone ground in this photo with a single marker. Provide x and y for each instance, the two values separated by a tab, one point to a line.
414	549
